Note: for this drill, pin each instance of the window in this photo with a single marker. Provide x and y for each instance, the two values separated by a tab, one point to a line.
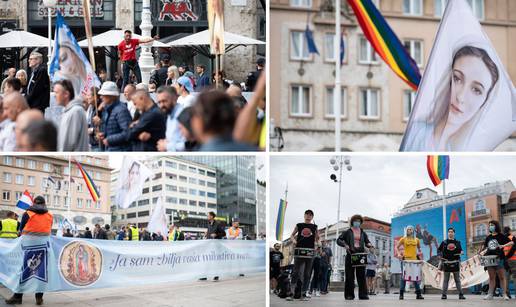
183	201
57	201
88	204
143	213
183	178
66	170
369	103
300	101
439	6
513	223
192	203
480	230
172	200
367	55
192	192
131	215
330	104
31	164
478	8
202	172
182	167
192	169
211	174
415	49
155	200
31	181
212	205
301	3
46	167
480	205
413	7
8	160
145	190
170	164
171	188
8	178
202	193
211	185
79	203
298	46
171	176
79	187
66	201
19	179
157	188
329	47
202	204
157	176
192	180
183	190
6	195
98	176
201	182
20	162
409	97
211	195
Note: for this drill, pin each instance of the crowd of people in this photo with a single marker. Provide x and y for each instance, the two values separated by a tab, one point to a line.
308	274
178	110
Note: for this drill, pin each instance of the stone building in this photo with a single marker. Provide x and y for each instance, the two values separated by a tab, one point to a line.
376	104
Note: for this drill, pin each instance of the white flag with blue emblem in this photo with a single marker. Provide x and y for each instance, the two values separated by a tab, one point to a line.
69	62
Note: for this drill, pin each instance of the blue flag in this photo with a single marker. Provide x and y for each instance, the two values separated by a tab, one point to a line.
312	48
342	50
69	62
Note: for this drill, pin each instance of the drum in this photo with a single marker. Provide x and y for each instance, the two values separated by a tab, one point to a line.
489	261
412	270
304	252
358	259
450	265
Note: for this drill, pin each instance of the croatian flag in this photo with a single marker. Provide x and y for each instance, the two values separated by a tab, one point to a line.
25	201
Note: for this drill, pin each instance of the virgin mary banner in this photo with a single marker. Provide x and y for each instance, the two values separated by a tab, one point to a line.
131	178
471	273
29	264
466	101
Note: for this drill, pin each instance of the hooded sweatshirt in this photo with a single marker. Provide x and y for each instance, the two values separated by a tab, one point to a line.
73	128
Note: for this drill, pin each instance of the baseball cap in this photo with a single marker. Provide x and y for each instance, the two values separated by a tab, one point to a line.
186	82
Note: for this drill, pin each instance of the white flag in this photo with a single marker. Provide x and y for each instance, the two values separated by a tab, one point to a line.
466	100
131	178
158	221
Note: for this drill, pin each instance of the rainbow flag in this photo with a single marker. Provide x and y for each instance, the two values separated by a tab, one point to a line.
385	42
438	168
280	222
94	192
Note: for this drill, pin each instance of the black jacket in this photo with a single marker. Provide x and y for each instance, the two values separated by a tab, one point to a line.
153	121
216	229
160	75
346	239
38	89
87	234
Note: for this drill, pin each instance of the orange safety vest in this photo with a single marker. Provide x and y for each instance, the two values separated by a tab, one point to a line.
507	249
38	224
234	233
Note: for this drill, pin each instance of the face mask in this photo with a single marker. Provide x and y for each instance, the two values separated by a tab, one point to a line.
492	228
356	224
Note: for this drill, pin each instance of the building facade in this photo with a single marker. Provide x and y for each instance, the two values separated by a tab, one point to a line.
376	104
48	176
236	187
261	208
172	19
186	189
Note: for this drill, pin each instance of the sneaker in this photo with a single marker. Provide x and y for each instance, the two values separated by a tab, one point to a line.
14	301
308	294
317	293
443	297
505	297
289	298
401	296
39	301
488	297
216	278
461	297
419	297
305	298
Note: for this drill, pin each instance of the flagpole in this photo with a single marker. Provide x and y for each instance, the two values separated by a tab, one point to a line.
337	89
69	184
444	210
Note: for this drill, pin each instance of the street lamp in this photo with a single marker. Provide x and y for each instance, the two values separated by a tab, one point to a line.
146	59
338	164
49	4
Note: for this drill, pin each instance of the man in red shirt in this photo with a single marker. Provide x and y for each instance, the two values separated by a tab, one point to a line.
127	54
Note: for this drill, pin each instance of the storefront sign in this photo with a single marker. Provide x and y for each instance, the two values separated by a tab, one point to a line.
177	10
8	13
72	8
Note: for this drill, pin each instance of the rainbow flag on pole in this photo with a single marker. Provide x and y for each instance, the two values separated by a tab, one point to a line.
94	192
438	168
280	222
385	42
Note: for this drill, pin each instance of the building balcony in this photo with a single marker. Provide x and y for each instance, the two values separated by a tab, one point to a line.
480	214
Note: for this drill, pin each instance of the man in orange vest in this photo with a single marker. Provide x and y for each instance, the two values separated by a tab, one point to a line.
510	255
235	232
36	221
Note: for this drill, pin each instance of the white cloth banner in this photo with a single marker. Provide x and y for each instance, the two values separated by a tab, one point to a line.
158	221
31	264
131	178
466	100
471	273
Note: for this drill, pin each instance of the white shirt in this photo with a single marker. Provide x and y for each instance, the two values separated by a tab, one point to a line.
186	101
8	136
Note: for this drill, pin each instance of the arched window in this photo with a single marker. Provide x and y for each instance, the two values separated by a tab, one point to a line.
480	230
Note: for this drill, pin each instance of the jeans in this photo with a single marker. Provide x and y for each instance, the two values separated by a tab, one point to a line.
302	271
316	265
128	66
349	284
403	282
456	276
324	276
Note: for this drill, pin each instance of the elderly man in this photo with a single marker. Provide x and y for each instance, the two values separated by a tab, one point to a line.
22	122
13	105
115	119
150	128
73	128
11	73
184	89
4	121
167	100
38	87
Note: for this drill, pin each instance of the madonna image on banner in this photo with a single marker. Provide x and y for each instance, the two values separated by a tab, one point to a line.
466	100
132	175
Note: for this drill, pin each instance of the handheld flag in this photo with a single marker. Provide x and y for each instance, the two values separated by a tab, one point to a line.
309	36
131	178
280	222
158	221
25	201
438	168
69	62
466	100
385	42
342	50
92	188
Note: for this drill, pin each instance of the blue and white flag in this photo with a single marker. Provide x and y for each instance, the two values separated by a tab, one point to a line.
69	62
342	50
309	35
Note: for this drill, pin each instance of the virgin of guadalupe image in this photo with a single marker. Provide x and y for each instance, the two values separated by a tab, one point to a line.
82	264
464	95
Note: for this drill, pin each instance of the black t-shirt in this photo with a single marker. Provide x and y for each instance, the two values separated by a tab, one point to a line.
306	235
450	249
492	244
275	259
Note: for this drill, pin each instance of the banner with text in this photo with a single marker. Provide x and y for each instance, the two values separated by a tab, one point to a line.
32	264
471	273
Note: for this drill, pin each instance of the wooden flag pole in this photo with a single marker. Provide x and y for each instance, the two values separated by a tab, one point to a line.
89	34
